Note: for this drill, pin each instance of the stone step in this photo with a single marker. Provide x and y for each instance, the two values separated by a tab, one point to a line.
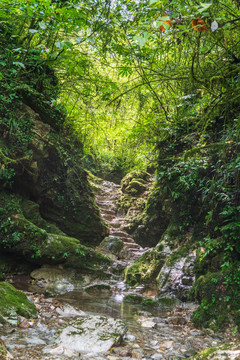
114	225
108	217
120	233
106	205
132	245
108	212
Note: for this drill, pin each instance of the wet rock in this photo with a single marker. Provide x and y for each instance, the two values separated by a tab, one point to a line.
95	333
98	289
129	337
112	245
68	311
147	322
176	276
165	345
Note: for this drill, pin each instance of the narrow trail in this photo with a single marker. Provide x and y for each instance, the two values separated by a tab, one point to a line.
106	199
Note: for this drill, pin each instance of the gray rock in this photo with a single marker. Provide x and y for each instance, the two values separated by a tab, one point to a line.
177	279
157	357
68	311
95	334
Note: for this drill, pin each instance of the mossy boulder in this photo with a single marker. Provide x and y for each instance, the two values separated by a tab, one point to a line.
21	237
136	187
31	211
14	302
111	245
135	182
145	269
141	300
153	222
49	172
219	352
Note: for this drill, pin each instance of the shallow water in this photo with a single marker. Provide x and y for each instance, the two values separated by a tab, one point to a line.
152	333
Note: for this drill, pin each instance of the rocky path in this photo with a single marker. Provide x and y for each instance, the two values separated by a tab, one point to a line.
106	199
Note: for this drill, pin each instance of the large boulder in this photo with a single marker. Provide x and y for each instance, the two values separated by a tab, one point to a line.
92	334
176	277
146	268
49	172
111	246
22	238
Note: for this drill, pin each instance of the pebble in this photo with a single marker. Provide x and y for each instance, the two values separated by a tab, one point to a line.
166	345
136	354
129	337
157	357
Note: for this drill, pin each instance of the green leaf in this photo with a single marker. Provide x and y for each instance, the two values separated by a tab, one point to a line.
153	2
33	31
42	25
1	76
19	64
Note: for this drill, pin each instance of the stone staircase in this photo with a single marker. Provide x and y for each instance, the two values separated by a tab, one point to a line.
106	199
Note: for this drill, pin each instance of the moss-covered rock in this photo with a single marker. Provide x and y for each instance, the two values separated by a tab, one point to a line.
219	352
145	269
111	245
136	187
49	172
137	177
21	237
14	302
31	211
153	222
141	300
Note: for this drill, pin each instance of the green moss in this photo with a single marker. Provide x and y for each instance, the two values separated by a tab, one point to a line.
212	352
149	302
135	187
141	300
136	175
215	301
31	212
145	269
133	299
69	251
168	301
22	238
176	255
14	301
111	244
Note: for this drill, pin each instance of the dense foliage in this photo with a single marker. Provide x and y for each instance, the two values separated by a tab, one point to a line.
139	84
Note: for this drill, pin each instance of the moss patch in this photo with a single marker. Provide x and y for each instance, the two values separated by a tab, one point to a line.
111	245
13	301
138	176
224	351
219	305
145	269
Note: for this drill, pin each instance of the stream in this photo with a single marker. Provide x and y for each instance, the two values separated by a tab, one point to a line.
164	332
